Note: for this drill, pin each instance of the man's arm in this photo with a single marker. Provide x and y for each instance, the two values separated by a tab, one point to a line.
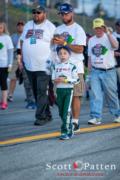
19	55
89	64
113	41
74	48
10	59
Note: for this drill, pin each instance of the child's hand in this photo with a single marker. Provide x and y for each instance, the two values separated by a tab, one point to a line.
59	80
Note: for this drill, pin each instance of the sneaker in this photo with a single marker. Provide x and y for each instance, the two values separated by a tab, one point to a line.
64	137
76	127
30	106
95	121
10	98
41	122
49	118
117	119
4	106
71	135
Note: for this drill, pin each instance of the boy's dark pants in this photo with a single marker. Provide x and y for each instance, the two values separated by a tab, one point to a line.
64	100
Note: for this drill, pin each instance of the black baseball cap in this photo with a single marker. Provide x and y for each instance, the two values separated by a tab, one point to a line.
63	47
65	8
39	9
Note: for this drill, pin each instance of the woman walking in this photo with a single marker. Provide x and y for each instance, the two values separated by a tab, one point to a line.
6	58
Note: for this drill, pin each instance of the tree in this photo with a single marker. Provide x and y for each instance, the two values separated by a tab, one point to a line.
99	11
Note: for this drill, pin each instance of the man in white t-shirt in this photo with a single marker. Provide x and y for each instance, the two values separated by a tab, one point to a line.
103	73
72	35
36	39
12	76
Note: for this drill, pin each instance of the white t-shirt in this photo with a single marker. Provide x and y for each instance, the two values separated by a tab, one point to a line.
79	36
5	44
68	71
36	44
101	52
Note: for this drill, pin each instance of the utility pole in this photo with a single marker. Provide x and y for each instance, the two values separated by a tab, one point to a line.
27	10
83	13
115	9
6	11
101	9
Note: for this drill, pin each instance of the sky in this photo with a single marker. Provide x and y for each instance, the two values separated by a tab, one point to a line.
112	6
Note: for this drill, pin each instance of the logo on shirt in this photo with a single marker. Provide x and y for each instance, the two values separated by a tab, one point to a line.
98	50
1	45
68	38
38	33
62	69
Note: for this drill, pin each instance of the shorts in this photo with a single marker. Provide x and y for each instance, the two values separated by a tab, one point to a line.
12	74
80	87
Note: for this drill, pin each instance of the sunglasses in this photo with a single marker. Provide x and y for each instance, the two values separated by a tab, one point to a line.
36	12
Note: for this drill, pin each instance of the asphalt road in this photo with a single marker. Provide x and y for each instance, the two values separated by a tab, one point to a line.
88	155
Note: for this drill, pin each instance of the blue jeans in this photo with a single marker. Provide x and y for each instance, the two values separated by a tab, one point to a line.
103	85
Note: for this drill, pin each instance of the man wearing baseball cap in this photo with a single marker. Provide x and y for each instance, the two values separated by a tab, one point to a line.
72	34
103	82
20	23
36	39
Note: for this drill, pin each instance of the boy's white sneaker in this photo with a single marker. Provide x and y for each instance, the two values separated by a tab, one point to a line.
117	119
94	121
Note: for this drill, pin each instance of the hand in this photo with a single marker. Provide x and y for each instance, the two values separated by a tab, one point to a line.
19	60
58	40
59	80
109	30
9	68
20	66
117	54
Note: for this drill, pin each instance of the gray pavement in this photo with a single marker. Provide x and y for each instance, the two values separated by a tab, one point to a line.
94	155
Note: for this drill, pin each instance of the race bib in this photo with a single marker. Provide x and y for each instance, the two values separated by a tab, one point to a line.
32	40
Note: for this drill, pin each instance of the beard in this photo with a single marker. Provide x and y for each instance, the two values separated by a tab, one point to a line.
68	21
38	20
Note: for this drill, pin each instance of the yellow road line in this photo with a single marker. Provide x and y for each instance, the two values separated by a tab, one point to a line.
100	127
56	134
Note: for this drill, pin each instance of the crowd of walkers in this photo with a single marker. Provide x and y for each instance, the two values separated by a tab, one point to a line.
50	61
